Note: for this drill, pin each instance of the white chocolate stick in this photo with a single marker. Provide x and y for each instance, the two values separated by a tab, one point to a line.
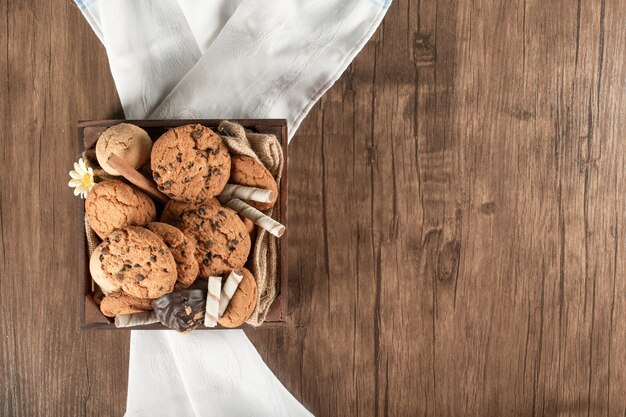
248	193
228	290
137	319
212	301
249	212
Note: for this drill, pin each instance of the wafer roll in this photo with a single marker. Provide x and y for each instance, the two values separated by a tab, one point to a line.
228	290
260	219
138	319
213	301
248	193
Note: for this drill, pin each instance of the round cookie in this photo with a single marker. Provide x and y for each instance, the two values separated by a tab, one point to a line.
183	249
112	204
122	303
129	142
137	260
249	225
173	209
248	171
95	269
222	242
190	163
243	302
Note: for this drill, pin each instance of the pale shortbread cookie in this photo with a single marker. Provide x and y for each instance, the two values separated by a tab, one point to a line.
129	142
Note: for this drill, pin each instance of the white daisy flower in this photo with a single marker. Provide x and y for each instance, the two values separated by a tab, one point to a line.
82	179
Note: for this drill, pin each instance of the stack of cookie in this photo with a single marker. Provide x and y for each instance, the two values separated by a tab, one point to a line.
188	268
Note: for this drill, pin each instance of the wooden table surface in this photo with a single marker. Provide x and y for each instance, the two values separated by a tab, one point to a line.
456	218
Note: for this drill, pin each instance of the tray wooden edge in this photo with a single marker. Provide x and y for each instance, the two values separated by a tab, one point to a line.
278	313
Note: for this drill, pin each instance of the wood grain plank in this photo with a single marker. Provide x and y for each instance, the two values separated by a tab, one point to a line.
456	218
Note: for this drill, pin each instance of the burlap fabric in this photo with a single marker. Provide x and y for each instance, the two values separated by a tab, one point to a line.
264	261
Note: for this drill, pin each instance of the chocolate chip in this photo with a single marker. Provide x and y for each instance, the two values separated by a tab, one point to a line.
215	151
156	175
101	257
186	180
106	240
233	242
139	277
189	164
208	244
162	251
136	266
215	171
170	195
217	224
222	213
179	157
153	258
167	184
206	261
117	238
197	134
202	210
120	277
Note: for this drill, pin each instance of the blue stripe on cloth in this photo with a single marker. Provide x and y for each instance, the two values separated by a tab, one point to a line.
382	3
84	4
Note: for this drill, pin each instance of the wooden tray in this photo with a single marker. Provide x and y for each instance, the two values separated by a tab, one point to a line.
88	132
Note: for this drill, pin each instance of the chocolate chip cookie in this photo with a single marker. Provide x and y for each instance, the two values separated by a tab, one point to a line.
190	163
222	241
137	260
248	171
183	249
98	275
112	204
122	303
173	209
243	302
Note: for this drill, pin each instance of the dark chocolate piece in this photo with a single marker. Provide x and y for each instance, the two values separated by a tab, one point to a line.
182	310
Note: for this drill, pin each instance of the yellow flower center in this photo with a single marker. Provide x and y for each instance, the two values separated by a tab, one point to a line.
87	180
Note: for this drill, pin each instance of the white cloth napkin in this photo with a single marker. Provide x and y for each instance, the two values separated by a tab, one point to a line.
221	59
200	374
